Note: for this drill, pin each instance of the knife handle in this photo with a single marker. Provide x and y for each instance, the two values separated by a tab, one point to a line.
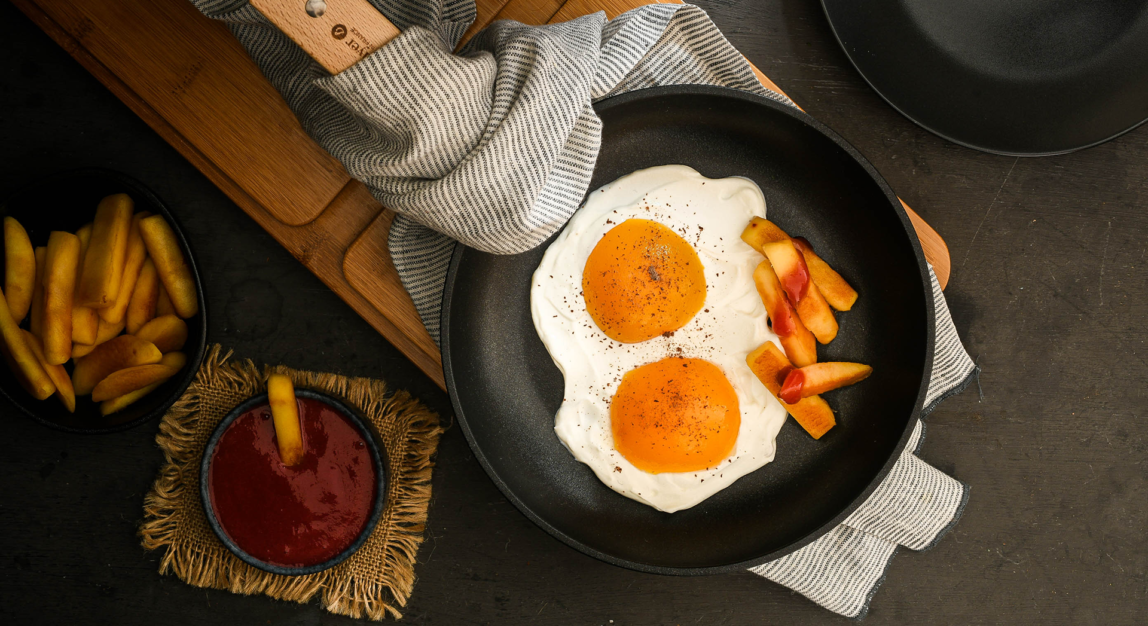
337	35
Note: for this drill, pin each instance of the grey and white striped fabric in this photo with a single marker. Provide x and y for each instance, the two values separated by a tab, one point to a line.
494	147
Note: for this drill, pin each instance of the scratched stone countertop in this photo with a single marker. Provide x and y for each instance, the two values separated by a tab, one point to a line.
1048	291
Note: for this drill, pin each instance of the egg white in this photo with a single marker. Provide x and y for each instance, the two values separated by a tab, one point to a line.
710	214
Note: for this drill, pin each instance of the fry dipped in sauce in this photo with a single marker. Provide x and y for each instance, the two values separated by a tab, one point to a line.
285	412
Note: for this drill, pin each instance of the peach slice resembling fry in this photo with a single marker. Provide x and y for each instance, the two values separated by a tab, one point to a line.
285	413
781	314
838	293
115	354
790	268
20	357
174	272
762	231
104	260
59	290
771	367
168	333
19	268
821	377
57	373
799	343
141	309
133	263
174	360
815	313
801	346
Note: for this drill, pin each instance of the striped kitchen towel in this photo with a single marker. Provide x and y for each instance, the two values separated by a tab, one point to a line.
494	146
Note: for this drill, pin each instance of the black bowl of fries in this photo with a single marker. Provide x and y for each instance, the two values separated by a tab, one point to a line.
102	321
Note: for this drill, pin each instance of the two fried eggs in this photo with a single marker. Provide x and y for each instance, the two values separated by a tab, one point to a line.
646	303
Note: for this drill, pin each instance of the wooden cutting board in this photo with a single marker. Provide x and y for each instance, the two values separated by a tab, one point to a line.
188	78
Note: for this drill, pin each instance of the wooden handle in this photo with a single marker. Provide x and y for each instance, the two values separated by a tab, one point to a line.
336	33
935	249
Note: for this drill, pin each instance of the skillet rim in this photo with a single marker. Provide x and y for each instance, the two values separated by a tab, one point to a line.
813	535
833	27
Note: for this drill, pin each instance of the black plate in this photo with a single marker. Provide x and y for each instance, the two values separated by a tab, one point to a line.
378	456
506	389
67	201
1022	77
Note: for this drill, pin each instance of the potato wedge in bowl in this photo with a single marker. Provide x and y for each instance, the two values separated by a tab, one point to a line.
85	212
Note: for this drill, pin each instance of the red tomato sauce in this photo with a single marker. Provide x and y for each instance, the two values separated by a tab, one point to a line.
293	516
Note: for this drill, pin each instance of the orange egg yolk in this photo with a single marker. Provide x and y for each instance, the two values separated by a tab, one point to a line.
675	415
642	280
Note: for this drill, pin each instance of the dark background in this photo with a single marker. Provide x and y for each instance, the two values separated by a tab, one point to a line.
1048	292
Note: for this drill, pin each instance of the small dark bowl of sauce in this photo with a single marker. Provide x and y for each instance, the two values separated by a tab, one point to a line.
300	519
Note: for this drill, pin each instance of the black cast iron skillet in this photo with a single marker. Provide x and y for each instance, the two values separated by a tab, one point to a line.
1016	77
506	389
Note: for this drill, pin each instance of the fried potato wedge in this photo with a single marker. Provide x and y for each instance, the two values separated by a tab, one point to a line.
133	263
104	261
285	413
85	235
131	379
141	309
172	359
771	367
36	314
85	322
85	325
20	357
19	269
105	333
59	290
168	333
174	272
115	354
119	403
163	306
57	373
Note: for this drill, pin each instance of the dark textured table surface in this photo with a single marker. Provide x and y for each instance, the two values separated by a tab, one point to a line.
1047	290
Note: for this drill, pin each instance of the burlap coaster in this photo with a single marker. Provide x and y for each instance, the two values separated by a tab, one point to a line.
372	581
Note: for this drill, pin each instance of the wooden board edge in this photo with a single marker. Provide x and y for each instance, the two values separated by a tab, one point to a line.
126	95
426	363
933	245
416	332
479	23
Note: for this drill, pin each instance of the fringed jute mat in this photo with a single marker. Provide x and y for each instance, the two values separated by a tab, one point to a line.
374	581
